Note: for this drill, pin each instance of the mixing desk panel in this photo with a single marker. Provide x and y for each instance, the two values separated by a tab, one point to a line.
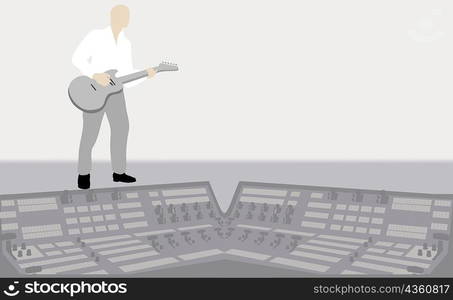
319	230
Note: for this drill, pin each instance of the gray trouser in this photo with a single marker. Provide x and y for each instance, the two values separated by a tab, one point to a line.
115	109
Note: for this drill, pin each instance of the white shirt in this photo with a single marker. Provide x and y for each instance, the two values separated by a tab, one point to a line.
99	52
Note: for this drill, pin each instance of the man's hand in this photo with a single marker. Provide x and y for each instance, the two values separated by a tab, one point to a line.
102	78
151	72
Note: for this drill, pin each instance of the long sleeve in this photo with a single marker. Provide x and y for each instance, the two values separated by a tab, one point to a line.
130	69
82	55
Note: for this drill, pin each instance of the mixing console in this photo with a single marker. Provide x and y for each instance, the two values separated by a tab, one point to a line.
320	230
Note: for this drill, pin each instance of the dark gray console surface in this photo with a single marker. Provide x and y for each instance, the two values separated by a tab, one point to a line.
306	229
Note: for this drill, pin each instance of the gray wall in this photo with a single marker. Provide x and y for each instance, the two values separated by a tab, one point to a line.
259	79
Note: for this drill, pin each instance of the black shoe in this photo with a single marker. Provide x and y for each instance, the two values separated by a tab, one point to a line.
123	178
84	182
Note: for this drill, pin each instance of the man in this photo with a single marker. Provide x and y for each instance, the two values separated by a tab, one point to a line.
102	50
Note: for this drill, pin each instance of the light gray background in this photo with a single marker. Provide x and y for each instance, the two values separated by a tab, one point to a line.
415	176
259	79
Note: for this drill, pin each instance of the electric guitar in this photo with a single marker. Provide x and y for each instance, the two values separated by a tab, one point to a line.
89	96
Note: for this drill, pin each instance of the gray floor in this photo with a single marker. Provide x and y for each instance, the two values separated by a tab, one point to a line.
423	177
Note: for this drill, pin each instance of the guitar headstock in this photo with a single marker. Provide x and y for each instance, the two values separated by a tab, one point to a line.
166	66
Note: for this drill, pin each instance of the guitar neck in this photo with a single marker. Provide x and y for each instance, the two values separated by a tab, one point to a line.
133	76
162	67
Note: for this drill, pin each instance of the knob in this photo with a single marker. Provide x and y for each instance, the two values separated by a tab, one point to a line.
440	245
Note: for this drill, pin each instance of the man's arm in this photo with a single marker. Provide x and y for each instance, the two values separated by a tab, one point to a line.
81	57
130	67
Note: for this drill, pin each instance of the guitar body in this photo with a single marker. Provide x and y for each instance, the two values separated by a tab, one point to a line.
89	96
